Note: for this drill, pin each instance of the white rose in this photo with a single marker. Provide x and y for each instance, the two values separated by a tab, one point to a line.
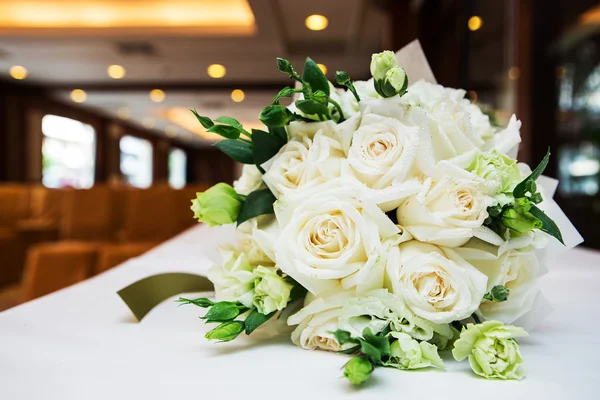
436	283
305	163
366	91
330	239
249	181
380	308
449	210
456	125
382	156
233	280
516	270
317	321
251	240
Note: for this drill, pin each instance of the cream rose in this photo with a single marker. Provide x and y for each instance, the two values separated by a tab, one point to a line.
331	239
382	156
233	280
516	270
303	163
255	241
436	283
249	181
317	321
449	210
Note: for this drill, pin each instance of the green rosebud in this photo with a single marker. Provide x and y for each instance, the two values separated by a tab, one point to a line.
518	218
219	205
226	332
272	292
381	63
394	83
491	349
276	116
358	370
408	353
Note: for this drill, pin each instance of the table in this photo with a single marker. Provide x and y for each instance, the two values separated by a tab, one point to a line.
83	343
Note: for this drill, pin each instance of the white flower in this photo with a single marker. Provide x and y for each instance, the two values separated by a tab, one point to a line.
456	125
516	270
378	309
436	283
330	239
271	292
317	321
382	156
233	280
449	210
302	164
249	181
254	241
366	91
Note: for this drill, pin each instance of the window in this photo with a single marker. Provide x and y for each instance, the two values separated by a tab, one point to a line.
68	153
136	161
177	168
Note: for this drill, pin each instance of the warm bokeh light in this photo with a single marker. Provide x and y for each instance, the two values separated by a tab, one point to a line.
18	72
223	17
237	95
116	71
514	73
323	68
157	95
475	23
216	71
78	96
316	22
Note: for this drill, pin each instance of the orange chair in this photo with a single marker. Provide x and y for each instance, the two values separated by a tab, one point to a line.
111	255
13	208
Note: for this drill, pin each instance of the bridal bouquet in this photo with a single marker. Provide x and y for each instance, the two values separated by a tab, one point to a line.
386	221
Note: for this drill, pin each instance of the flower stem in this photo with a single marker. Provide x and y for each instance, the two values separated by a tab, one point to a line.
338	108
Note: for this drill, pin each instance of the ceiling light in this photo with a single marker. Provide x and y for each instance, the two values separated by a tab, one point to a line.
157	95
475	23
78	96
116	71
316	22
18	72
323	68
237	95
148	122
216	71
514	73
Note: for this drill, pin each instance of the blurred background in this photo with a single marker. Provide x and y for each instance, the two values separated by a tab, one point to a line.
99	154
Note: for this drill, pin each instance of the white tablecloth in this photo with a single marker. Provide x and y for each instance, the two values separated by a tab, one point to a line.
83	343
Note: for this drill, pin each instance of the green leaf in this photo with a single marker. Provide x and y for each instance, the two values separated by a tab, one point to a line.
265	145
256	319
228	132
222	311
298	291
230	121
315	77
382	343
279	132
239	151
204	121
358	370
257	203
226	332
370	351
548	225
499	293
201	302
350	350
275	116
312	107
528	184
343	337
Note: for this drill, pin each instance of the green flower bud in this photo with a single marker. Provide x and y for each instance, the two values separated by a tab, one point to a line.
518	218
284	65
342	78
272	292
219	205
395	82
381	63
503	171
498	294
226	332
276	116
358	370
491	349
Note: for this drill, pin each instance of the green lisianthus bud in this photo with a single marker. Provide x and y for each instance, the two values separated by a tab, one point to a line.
219	205
499	293
284	65
272	292
394	83
381	63
275	116
491	349
226	332
501	170
358	370
518	218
